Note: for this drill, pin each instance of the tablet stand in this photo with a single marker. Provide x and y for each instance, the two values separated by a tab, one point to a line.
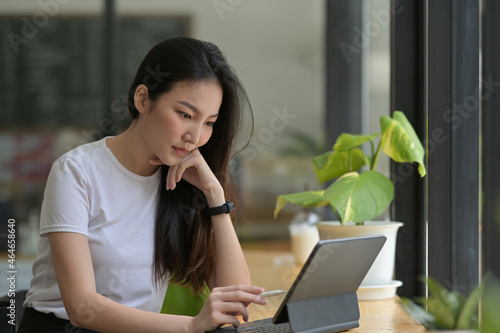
326	314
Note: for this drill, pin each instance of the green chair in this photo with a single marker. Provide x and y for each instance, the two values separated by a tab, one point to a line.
180	300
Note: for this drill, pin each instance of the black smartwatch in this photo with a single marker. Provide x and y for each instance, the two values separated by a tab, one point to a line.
224	209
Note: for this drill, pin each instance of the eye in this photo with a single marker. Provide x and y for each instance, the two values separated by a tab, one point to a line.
184	115
210	123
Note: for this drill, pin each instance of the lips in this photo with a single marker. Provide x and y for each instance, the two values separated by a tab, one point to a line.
180	151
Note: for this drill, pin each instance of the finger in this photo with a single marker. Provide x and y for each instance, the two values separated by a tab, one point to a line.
229	319
234	308
181	167
156	161
240	296
249	289
192	159
218	320
175	172
220	314
170	183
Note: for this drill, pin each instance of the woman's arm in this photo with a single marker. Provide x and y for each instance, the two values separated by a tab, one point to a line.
230	264
86	308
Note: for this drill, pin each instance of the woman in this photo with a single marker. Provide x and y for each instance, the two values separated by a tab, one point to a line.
124	215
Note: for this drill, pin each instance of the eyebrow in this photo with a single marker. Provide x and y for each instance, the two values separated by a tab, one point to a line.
194	108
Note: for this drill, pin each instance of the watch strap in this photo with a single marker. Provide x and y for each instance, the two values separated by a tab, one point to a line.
226	208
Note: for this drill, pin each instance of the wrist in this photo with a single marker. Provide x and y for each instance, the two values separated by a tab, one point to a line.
215	197
226	208
191	325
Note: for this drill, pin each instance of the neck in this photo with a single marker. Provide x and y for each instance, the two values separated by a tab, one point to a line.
128	149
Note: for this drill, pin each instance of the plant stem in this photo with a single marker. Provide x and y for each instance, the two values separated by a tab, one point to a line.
375	158
372	145
349	161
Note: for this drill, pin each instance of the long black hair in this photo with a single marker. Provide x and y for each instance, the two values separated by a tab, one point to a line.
184	244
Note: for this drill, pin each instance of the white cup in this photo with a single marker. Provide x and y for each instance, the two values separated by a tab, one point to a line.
304	238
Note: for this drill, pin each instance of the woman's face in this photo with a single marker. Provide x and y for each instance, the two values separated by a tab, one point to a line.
180	120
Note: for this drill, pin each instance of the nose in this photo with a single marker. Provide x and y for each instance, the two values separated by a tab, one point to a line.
192	135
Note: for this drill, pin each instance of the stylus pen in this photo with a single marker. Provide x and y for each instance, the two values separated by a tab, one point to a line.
272	293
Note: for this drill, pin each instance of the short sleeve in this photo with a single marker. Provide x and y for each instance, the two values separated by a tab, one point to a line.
66	203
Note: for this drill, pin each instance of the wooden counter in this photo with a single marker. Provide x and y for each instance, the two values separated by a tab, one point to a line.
272	268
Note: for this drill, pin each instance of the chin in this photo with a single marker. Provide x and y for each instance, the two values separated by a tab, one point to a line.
171	161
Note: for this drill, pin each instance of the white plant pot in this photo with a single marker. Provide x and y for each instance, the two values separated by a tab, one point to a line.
378	282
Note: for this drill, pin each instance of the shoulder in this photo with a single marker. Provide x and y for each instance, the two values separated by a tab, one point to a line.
84	154
81	159
85	151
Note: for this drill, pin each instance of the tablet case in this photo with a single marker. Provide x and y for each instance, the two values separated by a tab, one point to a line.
323	296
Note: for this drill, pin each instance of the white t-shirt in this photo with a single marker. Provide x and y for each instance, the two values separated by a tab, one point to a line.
89	192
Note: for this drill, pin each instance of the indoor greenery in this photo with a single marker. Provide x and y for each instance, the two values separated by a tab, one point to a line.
446	310
360	196
490	303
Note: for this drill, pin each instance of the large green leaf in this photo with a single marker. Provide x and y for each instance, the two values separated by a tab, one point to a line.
334	164
360	197
443	316
452	300
348	141
468	317
448	309
400	142
419	313
304	199
443	304
490	303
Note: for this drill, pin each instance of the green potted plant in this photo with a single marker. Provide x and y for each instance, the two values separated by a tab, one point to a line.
490	303
359	193
446	310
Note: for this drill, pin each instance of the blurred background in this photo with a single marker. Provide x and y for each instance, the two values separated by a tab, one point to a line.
312	69
66	67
